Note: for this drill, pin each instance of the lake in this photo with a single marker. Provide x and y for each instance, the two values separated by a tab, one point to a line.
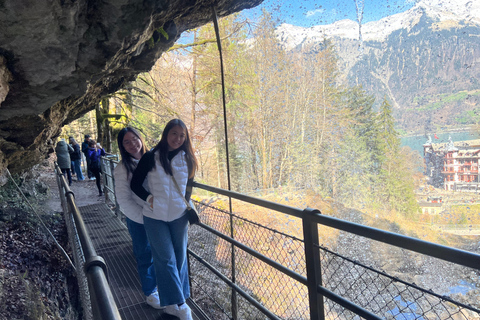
416	142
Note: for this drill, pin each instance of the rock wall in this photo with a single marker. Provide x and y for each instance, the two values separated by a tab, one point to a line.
59	57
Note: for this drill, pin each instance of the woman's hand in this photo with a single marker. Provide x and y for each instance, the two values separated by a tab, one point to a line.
150	201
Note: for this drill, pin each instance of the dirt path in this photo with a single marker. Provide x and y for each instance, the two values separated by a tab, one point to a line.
85	192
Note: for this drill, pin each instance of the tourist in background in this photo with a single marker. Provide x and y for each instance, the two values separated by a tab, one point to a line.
90	174
164	215
76	158
72	168
63	158
95	152
132	147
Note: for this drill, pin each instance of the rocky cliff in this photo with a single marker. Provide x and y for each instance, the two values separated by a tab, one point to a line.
429	72
59	57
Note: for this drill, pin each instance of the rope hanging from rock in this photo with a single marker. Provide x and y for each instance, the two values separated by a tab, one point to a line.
219	45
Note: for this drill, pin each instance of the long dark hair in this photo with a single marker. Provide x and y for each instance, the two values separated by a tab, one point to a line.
127	158
162	147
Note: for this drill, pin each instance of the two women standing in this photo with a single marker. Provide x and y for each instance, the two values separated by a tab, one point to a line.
163	210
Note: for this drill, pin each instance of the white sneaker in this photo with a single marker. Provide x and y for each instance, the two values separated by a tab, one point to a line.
183	312
171	309
154	301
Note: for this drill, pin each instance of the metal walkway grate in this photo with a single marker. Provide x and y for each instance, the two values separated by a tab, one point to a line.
112	242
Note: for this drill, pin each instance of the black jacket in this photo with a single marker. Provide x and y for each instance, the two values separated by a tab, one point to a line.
75	155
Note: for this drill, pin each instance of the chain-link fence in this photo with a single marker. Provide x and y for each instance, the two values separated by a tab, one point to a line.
109	162
385	295
77	252
95	295
353	270
371	288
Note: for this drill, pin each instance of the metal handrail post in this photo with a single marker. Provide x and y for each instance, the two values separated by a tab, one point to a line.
117	207
58	177
313	266
106	180
104	306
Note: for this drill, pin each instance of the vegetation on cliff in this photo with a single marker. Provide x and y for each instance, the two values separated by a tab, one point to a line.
36	281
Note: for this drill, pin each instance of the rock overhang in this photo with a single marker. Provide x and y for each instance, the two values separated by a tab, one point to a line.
59	58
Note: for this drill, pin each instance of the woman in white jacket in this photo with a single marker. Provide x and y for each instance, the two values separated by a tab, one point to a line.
132	148
164	215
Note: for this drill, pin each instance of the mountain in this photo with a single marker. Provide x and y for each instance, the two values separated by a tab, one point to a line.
426	60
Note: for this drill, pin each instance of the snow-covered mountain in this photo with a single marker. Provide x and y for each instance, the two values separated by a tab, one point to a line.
444	12
426	60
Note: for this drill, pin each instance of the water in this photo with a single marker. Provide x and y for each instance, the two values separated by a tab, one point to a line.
407	310
405	305
416	142
463	287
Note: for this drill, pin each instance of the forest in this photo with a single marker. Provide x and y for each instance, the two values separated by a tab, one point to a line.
291	122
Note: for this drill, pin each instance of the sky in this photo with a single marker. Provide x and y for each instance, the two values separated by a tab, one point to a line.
307	13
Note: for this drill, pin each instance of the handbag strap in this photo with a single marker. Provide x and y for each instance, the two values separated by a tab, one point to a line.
183	197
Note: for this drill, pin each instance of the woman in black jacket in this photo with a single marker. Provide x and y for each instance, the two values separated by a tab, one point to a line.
76	158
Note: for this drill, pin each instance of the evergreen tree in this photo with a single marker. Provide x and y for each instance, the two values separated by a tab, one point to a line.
396	173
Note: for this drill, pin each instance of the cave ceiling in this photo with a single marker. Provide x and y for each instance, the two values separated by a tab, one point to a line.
58	58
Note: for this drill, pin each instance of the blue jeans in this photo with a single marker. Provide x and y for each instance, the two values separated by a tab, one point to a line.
169	249
66	172
143	255
78	169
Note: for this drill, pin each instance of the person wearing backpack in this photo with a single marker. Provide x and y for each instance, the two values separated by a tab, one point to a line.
95	151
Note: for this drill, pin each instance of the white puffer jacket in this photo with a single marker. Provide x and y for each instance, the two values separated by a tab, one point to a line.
168	203
130	204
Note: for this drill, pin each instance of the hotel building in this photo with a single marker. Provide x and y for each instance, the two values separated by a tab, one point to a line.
453	165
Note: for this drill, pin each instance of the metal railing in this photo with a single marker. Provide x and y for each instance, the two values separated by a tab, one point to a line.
108	164
277	275
280	276
95	294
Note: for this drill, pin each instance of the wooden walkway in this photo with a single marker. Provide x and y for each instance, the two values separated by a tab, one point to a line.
112	242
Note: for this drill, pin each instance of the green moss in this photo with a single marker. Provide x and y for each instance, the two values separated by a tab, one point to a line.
156	36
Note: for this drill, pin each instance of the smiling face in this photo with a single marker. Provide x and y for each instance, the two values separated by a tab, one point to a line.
133	145
176	137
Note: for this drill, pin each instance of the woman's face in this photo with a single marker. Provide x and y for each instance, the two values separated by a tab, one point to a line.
175	138
132	144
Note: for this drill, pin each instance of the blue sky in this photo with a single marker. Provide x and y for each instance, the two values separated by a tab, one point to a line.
307	13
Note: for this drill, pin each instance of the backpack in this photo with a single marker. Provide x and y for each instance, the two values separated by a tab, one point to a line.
95	165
